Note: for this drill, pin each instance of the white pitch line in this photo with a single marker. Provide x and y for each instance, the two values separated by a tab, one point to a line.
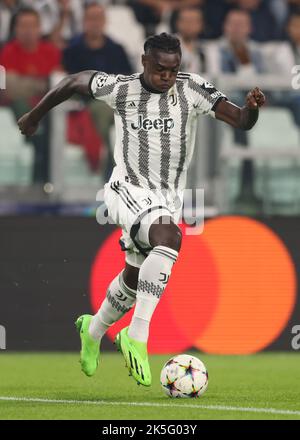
153	405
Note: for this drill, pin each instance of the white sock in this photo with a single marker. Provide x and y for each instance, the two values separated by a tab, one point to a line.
119	300
153	278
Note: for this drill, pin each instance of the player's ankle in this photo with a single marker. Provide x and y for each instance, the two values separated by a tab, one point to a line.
138	329
97	328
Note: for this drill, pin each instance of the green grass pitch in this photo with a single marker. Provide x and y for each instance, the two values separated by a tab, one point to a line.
262	386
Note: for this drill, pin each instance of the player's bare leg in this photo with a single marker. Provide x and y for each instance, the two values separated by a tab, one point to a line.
131	276
120	297
165	238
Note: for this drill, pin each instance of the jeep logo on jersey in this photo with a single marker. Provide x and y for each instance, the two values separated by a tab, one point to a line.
160	124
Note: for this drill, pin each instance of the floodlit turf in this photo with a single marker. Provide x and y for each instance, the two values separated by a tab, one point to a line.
263	381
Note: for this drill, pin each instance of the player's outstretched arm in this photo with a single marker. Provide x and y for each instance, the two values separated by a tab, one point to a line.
77	83
245	117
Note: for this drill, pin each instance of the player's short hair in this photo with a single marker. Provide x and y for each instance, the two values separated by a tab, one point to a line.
163	42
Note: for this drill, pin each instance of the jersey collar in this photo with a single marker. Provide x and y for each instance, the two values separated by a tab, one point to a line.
149	89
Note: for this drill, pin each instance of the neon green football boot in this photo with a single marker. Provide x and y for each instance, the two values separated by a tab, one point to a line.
89	354
136	357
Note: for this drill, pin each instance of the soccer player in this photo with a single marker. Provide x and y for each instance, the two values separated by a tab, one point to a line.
155	117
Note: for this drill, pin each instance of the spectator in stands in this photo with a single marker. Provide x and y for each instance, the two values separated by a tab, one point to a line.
280	11
239	54
29	61
68	21
189	27
264	25
293	31
7	10
150	12
93	50
60	19
281	58
214	14
294	6
289	56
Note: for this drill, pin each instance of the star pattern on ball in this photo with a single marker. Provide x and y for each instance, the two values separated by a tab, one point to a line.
194	392
170	386
171	362
189	369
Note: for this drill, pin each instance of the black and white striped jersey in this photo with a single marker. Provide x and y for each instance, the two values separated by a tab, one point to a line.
155	132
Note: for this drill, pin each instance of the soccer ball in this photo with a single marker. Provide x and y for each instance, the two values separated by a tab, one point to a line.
184	376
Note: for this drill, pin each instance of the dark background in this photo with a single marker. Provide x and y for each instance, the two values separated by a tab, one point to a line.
45	265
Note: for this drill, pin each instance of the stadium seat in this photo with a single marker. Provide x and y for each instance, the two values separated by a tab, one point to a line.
277	180
16	156
76	169
232	172
123	28
273	55
24	164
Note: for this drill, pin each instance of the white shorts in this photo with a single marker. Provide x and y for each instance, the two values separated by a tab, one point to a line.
134	209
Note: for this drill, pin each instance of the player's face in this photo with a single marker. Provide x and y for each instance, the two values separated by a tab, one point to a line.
160	69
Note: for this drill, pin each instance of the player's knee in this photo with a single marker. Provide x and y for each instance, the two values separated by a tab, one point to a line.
131	276
166	235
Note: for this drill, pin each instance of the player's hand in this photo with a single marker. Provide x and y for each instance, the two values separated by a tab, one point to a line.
255	99
27	125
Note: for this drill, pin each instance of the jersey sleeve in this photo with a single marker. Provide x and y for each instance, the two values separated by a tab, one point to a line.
205	96
103	87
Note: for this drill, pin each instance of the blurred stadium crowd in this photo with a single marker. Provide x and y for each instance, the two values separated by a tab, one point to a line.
40	37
